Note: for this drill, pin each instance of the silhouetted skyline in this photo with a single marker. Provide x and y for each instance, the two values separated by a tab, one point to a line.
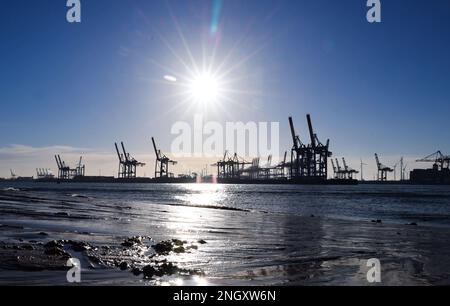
370	87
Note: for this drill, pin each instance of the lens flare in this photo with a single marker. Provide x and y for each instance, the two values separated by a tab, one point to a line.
215	18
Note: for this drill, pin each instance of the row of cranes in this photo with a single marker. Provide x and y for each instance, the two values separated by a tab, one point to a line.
345	173
43	173
308	162
236	167
128	164
67	173
15	177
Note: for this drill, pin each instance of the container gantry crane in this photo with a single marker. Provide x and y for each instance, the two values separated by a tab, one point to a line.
162	163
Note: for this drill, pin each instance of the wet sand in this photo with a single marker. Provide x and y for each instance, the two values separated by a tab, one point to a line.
219	246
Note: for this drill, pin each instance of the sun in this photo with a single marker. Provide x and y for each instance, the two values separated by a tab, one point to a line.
205	88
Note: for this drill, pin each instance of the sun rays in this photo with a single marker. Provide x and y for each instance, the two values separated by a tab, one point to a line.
205	75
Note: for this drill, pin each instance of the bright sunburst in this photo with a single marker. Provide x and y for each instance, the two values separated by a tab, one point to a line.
204	88
205	74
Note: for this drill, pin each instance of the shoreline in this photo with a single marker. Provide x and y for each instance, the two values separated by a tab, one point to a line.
241	246
272	250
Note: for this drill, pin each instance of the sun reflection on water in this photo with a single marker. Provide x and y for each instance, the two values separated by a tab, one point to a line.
203	194
192	222
199	280
182	281
189	218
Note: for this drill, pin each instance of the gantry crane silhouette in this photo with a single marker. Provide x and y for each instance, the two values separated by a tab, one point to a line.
162	163
127	164
383	170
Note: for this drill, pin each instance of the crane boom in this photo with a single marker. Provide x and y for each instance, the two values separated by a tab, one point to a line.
345	164
338	166
118	153
124	152
63	165
311	131
334	166
440	160
377	161
294	136
57	162
432	157
158	157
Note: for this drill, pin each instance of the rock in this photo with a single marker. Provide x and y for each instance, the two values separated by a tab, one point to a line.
53	256
149	271
177	242
168	269
123	266
79	246
179	250
130	242
136	271
163	248
38	259
54	243
161	270
55	251
43	234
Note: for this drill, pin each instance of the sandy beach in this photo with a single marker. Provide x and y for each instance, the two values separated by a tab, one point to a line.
118	243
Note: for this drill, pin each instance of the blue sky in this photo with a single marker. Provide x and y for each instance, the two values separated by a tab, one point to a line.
369	87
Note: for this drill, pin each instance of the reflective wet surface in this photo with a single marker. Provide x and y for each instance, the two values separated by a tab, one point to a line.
253	235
